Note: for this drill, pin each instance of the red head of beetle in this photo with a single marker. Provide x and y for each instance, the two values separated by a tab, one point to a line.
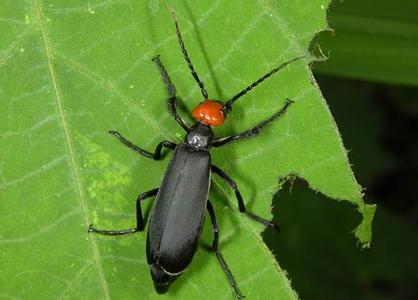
209	112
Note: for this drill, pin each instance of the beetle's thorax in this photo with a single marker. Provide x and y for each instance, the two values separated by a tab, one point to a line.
200	137
210	112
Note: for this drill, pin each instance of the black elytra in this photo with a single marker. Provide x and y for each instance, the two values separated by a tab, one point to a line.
181	200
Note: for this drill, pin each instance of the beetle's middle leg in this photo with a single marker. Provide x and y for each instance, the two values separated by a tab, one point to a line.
139	218
157	153
218	253
241	204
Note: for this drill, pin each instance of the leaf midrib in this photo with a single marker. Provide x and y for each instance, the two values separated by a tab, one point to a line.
70	148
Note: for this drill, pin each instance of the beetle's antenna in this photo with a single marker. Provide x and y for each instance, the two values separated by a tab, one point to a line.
228	104
186	55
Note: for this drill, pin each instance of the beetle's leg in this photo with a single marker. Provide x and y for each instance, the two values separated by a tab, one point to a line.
218	253
186	56
252	131
139	219
241	204
157	153
172	100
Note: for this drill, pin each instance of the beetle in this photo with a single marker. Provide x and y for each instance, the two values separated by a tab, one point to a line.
177	218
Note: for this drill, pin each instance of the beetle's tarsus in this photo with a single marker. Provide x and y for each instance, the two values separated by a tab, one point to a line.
263	221
113	232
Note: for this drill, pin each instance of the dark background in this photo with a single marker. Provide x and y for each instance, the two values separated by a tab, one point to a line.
378	121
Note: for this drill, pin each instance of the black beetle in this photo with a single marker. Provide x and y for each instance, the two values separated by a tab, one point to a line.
182	198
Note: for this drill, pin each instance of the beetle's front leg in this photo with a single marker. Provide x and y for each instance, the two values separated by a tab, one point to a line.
241	204
157	153
172	100
249	133
139	218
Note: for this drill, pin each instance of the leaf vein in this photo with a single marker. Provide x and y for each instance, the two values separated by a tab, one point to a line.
13	46
111	88
70	147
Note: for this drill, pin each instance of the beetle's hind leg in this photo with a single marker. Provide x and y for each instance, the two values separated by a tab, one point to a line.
139	218
241	204
157	153
218	253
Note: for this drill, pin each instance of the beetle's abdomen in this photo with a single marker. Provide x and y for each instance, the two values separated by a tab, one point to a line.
177	219
161	279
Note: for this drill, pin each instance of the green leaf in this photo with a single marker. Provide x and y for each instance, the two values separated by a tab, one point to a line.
372	42
334	263
70	71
